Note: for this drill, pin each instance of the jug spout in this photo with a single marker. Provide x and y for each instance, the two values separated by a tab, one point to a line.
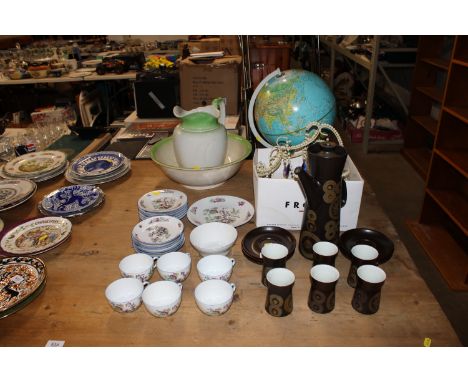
310	186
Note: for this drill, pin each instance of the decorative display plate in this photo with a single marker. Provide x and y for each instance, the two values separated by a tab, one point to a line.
158	230
99	163
221	208
253	242
15	191
36	236
20	277
34	164
72	199
162	201
98	179
376	239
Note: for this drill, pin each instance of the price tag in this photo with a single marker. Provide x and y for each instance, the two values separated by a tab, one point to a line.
17	279
55	343
427	342
155	192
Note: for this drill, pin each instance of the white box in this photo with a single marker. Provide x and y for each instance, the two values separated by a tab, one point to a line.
280	202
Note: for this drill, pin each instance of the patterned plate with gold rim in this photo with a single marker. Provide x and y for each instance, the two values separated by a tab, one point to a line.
15	191
36	236
20	277
34	164
221	208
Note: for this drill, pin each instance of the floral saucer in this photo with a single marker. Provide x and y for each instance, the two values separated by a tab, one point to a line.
221	208
161	201
158	230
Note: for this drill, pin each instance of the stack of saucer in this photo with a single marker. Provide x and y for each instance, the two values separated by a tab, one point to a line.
71	201
97	168
38	166
14	192
163	202
158	235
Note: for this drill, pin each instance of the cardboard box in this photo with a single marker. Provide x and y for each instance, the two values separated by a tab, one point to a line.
280	202
231	44
201	83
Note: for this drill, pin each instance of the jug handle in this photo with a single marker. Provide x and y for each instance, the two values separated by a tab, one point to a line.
344	193
220	104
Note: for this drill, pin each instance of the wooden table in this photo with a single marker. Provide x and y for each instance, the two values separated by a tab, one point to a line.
73	307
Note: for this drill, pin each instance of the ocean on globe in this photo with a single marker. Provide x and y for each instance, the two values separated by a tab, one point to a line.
288	103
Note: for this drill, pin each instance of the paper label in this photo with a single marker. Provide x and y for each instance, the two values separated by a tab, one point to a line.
55	343
17	279
427	342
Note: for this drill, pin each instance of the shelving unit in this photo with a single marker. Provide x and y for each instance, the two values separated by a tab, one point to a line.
373	66
442	229
429	80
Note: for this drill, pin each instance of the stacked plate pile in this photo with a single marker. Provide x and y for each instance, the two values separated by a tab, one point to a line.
71	201
97	168
14	192
163	202
38	167
158	235
36	236
22	279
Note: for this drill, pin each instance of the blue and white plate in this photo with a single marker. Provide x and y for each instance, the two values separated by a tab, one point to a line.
72	200
159	252
98	163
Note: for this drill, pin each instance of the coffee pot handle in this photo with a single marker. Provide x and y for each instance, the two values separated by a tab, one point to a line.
344	193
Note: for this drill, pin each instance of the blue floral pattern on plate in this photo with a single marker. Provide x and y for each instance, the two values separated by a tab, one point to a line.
72	199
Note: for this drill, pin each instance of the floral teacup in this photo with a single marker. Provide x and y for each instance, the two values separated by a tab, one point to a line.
174	266
162	298
124	295
215	267
138	265
214	297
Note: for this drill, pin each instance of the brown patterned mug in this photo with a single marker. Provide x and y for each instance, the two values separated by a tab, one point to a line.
279	299
324	252
274	256
361	254
370	280
323	278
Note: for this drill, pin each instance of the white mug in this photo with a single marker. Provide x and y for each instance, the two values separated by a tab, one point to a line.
162	298
124	295
138	265
215	267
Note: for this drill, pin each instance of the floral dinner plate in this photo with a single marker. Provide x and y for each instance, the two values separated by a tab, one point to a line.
15	191
222	208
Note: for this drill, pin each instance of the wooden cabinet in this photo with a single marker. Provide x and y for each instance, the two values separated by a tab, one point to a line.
438	148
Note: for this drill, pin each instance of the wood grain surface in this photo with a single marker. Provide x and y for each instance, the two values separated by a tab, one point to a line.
73	307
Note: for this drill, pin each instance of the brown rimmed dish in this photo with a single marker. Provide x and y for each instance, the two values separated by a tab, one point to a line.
255	239
367	236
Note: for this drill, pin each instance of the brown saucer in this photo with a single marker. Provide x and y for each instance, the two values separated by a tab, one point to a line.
254	240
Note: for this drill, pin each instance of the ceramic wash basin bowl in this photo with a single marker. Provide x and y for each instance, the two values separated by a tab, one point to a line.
163	154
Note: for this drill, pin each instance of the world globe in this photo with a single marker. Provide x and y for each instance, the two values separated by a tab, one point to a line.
288	103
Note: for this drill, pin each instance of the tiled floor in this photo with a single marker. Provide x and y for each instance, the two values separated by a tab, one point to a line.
400	191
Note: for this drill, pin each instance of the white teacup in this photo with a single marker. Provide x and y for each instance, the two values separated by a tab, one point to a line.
162	298
124	295
215	267
213	238
214	297
138	265
174	266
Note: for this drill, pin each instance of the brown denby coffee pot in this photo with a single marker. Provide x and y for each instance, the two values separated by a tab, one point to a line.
321	184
